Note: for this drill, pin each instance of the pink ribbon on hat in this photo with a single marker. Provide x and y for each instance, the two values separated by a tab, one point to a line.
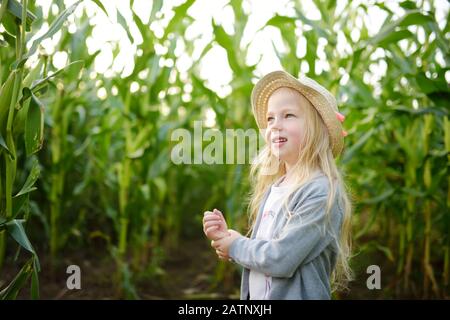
341	118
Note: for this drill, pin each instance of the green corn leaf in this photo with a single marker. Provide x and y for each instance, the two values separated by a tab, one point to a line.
123	22
226	42
408	5
10	40
389	29
19	201
180	13
159	165
11	25
11	291
101	6
33	74
34	126
139	143
31	179
17	232
143	29
387	251
35	281
386	194
311	50
5	98
280	22
359	144
318	27
15	9
428	85
55	26
161	185
395	37
414	17
156	7
439	111
3	144
37	85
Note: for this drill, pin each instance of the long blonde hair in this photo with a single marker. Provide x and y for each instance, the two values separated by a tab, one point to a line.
315	154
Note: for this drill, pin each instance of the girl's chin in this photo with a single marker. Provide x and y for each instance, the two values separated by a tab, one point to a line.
280	154
278	148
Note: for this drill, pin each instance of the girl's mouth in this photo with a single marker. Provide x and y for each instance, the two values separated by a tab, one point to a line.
279	141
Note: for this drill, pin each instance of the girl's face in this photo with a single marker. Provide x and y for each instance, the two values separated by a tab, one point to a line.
285	124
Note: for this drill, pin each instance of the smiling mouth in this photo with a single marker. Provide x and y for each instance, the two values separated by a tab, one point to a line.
279	140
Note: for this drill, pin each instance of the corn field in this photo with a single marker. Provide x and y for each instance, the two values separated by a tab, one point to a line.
86	176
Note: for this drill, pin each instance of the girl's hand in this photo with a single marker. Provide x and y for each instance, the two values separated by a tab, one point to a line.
214	225
222	245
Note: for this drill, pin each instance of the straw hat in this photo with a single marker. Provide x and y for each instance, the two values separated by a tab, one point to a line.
320	98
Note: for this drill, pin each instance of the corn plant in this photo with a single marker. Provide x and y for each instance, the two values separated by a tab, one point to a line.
109	173
22	119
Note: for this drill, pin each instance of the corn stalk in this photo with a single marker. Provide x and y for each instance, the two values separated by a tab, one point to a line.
22	120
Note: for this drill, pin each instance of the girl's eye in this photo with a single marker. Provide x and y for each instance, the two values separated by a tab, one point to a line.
290	115
269	119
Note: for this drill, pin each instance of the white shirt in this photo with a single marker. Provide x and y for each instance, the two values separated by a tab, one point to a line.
259	283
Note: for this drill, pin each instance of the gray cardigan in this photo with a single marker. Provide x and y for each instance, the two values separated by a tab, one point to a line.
302	253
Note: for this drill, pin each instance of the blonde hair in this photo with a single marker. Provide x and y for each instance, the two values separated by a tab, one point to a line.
315	154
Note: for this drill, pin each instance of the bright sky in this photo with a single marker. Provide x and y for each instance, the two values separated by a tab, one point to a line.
217	75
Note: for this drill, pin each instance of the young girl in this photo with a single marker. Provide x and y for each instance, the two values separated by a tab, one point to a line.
299	210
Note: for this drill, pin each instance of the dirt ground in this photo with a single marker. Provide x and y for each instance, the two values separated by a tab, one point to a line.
188	273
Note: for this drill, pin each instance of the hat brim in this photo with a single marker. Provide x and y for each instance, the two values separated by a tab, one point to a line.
320	98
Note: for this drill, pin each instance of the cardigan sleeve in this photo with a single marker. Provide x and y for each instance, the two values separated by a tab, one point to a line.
303	236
